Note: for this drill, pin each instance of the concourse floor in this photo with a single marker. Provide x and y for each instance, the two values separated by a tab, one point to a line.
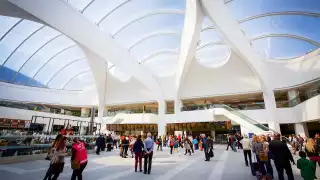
226	165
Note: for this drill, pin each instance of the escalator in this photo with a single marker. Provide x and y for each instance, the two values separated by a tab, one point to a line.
242	119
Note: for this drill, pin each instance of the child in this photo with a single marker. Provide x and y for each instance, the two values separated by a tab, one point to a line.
306	167
176	145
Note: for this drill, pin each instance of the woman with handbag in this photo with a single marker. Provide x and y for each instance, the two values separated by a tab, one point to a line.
79	159
138	147
57	160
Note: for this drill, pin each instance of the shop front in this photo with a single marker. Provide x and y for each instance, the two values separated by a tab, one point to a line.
197	128
133	129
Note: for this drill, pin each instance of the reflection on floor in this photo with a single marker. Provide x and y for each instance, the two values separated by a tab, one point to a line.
226	165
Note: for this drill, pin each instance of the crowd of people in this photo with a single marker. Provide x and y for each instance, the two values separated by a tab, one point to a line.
259	151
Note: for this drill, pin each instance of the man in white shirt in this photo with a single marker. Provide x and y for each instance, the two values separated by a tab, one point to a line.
246	144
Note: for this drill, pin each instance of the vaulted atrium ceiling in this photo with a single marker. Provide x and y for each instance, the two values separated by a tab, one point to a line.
34	54
149	30
279	29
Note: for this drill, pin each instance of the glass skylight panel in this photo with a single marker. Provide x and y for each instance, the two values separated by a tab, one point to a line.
162	65
242	9
60	61
209	35
213	56
30	46
282	48
79	4
135	9
6	24
284	24
147	26
15	37
207	22
117	73
155	44
80	82
67	73
44	55
100	8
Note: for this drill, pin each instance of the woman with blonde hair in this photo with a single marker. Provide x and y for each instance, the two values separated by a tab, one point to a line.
312	153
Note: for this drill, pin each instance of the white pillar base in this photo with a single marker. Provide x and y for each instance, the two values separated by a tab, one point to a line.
161	129
301	129
274	126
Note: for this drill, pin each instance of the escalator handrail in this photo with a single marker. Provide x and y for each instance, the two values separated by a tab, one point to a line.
244	117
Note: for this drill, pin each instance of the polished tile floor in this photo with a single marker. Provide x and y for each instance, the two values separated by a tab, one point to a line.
226	165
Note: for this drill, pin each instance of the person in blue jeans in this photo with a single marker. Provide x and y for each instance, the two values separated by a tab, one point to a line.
205	146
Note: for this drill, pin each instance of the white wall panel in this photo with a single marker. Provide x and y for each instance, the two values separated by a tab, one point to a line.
131	91
42	95
233	77
12	113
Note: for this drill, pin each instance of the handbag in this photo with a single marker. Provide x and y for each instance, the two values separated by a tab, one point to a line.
75	164
211	153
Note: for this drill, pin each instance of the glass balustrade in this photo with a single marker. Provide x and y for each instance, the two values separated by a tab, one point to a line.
243	117
302	97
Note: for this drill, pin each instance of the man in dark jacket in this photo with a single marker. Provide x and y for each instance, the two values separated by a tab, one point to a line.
282	157
99	144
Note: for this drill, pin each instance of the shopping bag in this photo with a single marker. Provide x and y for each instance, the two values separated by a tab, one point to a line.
75	164
211	153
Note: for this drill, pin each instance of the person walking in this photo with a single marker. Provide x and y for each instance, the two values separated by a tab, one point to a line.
149	145
229	141
312	154
171	144
191	144
125	147
205	147
57	160
187	146
137	149
246	145
99	144
159	141
307	168
195	144
79	159
281	157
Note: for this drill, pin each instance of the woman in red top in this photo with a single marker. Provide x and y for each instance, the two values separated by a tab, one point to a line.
79	156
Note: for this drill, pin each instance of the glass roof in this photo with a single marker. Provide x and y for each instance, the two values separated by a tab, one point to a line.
273	24
34	54
150	30
211	51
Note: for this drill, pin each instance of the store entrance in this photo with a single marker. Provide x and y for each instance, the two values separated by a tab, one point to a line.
133	129
197	128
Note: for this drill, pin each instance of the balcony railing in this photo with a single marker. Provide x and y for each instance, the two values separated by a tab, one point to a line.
40	108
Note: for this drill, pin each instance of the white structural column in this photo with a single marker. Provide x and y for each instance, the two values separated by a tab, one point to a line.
301	129
61	16
162	108
232	33
85	112
99	69
190	37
